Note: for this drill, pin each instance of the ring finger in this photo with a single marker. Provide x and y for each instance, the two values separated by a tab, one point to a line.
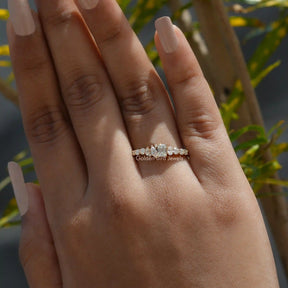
143	99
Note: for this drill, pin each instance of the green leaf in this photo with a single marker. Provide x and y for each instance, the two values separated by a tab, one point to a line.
10	213
257	4
278	149
251	143
20	156
256	32
124	4
4	50
267	47
263	171
277	129
268	3
4	14
229	109
177	14
272	181
5	63
143	12
4	183
26	162
239	21
249	154
258	79
234	135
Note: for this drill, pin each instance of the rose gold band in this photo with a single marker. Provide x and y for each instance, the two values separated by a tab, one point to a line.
160	151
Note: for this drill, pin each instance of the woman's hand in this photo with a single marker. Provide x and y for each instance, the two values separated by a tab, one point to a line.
89	96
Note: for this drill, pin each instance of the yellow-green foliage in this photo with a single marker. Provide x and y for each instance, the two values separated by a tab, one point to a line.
4	14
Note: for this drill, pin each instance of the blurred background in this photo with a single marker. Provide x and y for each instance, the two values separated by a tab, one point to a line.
272	95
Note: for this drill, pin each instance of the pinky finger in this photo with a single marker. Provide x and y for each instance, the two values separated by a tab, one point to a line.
197	115
37	251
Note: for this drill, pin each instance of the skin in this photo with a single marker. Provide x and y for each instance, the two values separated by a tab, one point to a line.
106	220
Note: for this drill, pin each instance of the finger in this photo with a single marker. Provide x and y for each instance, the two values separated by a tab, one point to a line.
53	144
86	88
144	102
37	251
198	118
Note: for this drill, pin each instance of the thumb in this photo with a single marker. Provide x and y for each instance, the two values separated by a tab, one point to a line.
37	251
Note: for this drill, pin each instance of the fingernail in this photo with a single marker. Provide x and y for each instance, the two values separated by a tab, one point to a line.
21	17
88	4
166	33
19	187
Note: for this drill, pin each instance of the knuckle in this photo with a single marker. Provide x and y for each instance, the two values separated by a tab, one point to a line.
201	125
113	30
30	63
187	78
203	121
76	224
46	126
118	207
71	230
122	209
226	209
84	92
34	65
138	99
60	18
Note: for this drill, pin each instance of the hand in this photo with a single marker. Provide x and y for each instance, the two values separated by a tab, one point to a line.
89	96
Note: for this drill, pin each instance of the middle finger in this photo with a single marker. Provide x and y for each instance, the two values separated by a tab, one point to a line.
86	88
143	99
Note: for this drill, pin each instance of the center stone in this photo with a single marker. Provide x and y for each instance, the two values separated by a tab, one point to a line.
162	151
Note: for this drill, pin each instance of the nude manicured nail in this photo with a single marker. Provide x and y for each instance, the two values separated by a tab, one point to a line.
19	187
21	17
166	33
88	4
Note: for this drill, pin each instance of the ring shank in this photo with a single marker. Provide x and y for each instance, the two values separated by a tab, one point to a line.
161	151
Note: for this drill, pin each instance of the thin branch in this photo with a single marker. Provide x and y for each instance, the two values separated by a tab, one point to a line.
238	61
198	45
220	57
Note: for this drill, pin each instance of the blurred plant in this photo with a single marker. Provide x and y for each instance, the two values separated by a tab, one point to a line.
215	45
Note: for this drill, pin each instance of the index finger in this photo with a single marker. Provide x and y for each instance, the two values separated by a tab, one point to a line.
61	172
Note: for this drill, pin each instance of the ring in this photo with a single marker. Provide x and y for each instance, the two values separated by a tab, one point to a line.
160	152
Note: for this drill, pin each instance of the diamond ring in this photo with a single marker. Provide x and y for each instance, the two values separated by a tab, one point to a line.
160	152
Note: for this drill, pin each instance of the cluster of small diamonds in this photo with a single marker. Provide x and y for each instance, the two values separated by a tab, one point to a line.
177	151
160	151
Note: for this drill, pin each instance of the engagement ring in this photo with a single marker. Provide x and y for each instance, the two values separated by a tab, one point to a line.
160	152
